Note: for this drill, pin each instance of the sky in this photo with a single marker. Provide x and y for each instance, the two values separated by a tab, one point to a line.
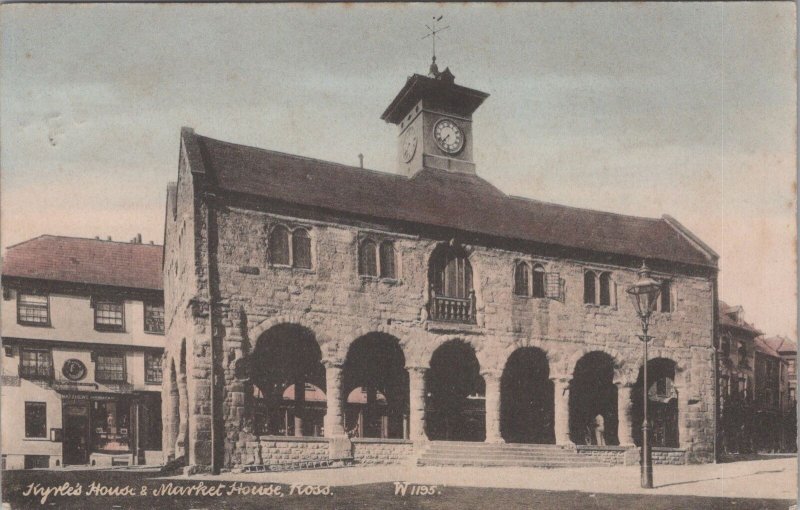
687	109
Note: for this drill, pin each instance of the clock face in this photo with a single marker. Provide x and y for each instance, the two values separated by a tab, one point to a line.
449	137
409	147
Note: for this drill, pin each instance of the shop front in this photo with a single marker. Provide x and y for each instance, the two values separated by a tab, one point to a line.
110	429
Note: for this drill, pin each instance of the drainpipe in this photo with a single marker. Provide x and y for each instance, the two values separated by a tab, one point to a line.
210	197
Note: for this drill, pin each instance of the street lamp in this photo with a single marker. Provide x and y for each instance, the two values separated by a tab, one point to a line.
644	296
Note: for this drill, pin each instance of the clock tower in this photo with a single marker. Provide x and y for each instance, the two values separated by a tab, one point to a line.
434	117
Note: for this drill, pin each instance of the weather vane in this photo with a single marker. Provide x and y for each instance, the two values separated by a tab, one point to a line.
433	31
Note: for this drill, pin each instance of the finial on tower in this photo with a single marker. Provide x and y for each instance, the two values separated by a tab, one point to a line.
433	31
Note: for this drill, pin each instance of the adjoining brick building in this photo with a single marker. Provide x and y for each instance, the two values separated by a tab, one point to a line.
83	346
343	312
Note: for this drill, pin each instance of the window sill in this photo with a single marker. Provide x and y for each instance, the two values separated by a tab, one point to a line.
383	279
34	324
109	330
153	383
159	333
305	270
47	439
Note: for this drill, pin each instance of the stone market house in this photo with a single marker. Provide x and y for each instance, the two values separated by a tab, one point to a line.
344	312
83	345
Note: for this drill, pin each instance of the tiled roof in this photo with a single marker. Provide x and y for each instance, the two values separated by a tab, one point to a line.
765	348
781	344
439	199
88	261
725	319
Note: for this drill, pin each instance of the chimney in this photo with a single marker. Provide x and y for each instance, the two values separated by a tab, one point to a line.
109	238
97	237
361	160
138	238
152	242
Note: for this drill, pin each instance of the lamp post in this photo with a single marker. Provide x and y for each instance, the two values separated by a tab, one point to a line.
644	296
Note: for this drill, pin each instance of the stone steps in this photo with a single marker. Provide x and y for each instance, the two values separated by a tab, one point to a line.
444	453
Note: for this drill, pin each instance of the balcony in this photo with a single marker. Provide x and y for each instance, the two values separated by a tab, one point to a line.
448	309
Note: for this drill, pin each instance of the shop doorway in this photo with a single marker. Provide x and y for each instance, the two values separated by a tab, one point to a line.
75	418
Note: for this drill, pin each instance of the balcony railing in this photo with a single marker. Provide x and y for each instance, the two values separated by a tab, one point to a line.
450	309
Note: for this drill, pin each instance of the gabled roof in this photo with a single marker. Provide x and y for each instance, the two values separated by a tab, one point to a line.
765	348
436	198
86	261
781	344
725	319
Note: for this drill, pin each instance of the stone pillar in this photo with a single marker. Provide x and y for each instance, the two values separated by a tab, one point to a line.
299	405
624	408
492	419
416	402
174	419
561	408
182	438
334	422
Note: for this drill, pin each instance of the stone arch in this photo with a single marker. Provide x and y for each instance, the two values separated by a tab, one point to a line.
337	350
286	385
326	344
375	387
432	343
527	398
593	399
455	408
664	381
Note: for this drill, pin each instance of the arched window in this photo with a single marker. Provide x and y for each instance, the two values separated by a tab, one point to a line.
301	249
279	246
589	287
521	279
538	281
453	275
387	260
367	265
605	289
664	297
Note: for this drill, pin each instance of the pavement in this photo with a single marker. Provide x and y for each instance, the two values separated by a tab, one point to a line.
755	479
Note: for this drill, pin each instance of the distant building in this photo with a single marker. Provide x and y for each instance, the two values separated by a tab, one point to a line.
83	342
736	358
787	350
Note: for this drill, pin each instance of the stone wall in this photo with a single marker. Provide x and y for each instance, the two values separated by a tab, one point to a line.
618	455
339	306
382	451
674	456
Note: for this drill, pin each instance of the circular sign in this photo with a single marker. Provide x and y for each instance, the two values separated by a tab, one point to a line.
74	369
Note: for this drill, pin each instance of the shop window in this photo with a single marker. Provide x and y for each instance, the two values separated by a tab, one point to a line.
35	364
109	315
110	367
387	260
153	373
154	318
521	272
110	420
35	419
33	309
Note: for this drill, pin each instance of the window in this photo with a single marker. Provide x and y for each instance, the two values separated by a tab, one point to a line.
589	287
726	346
521	279
605	289
452	296
742	355
367	263
110	367
36	419
296	253
36	364
153	318
790	366
109	315
301	249
538	281
387	260
279	246
33	309
152	368
665	297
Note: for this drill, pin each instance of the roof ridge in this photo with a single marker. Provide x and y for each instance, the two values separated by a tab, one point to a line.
79	238
307	158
